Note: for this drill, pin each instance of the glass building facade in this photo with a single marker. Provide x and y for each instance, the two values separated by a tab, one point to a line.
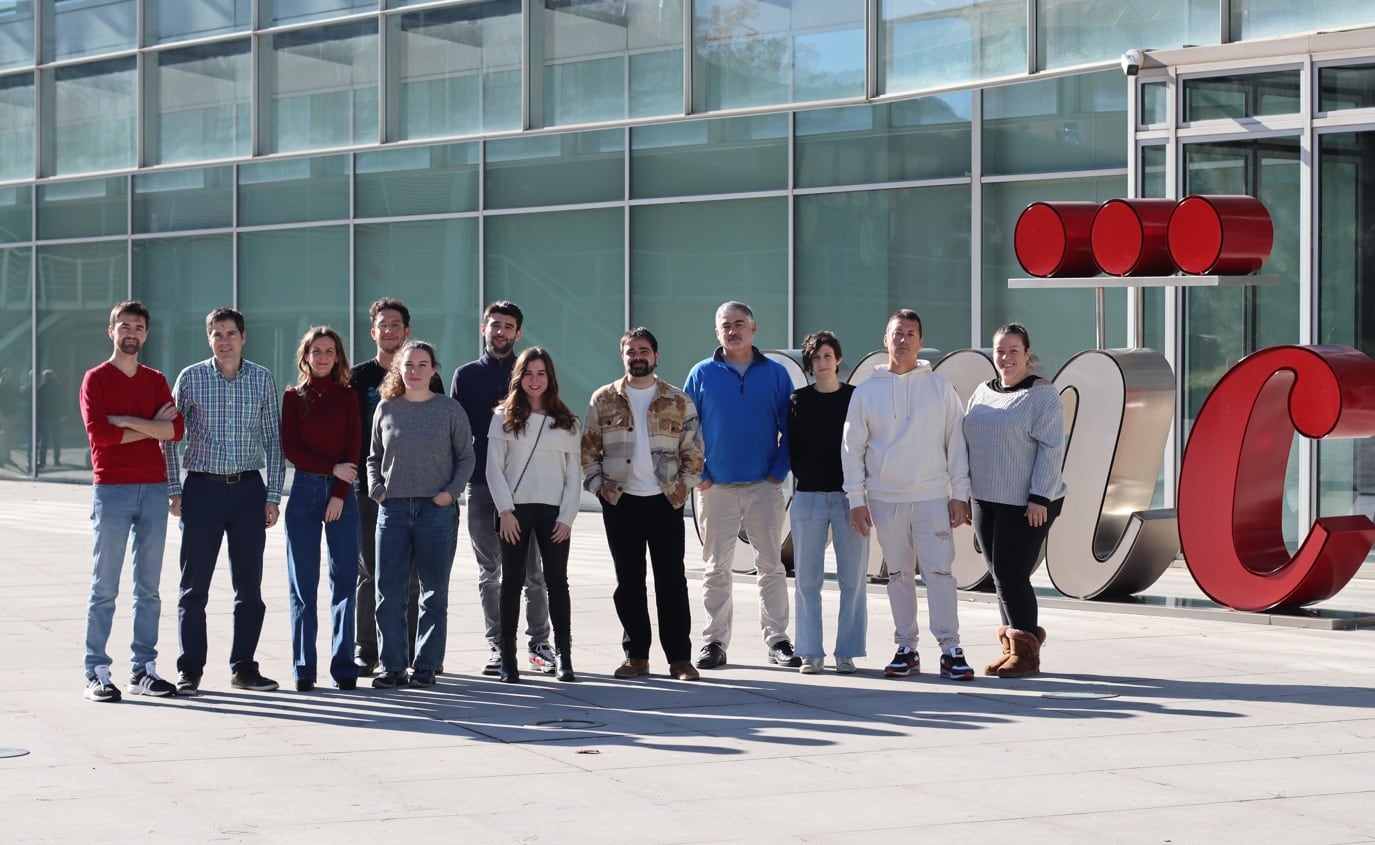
612	163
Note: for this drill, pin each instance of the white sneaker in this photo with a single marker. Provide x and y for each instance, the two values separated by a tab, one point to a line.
845	665
148	682
811	666
542	658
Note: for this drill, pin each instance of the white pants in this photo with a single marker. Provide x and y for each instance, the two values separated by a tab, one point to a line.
722	511
911	535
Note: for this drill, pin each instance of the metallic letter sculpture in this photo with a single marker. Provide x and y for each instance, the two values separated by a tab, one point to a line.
1107	542
1231	483
966	370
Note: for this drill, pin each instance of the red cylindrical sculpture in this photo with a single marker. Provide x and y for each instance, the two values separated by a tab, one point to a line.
1130	237
1052	239
1227	235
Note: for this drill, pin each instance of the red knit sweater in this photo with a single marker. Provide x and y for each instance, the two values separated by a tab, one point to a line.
321	429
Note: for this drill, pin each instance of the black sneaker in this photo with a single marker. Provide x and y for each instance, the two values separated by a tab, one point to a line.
101	688
146	681
905	662
954	667
423	678
304	685
390	680
781	654
252	679
712	656
188	684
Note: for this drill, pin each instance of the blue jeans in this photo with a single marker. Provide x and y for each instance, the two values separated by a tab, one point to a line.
118	510
811	515
305	513
415	532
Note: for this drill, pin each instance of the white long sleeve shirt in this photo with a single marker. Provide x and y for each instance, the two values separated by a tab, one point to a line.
904	439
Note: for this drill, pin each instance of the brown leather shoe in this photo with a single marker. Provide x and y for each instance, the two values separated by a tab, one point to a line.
683	670
632	667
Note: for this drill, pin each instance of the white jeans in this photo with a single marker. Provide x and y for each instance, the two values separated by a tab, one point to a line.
911	535
722	511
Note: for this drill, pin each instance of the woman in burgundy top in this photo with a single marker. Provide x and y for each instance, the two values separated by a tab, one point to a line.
320	436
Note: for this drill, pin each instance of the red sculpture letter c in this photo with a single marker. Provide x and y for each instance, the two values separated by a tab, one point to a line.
1231	483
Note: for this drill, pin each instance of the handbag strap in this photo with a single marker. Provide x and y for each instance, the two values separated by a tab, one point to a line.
532	455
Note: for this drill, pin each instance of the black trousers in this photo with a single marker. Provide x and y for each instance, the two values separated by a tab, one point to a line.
536	526
1012	549
634	524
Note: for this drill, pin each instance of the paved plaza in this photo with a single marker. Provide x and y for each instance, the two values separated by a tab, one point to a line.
1148	728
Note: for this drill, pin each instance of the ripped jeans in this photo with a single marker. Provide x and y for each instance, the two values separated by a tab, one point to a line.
917	535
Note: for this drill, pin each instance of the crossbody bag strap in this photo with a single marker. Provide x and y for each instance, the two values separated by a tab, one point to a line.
531	457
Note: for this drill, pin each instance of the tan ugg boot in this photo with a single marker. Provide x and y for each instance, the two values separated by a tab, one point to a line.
991	669
1026	653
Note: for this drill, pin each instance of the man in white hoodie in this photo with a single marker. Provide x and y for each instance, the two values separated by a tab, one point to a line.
907	477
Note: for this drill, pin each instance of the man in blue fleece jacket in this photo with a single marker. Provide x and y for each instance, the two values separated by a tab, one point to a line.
742	402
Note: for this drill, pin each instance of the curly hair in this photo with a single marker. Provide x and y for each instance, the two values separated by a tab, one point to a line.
339	374
392	384
515	406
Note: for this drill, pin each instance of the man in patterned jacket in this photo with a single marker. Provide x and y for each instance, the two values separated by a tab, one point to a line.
642	455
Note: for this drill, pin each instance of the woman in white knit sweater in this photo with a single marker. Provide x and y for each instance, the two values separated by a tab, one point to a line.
535	477
1015	430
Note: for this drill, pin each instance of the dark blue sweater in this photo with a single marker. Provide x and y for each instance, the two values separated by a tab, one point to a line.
478	386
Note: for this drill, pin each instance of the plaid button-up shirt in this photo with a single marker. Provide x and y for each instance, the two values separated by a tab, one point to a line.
232	425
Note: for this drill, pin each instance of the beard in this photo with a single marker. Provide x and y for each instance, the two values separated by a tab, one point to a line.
130	345
640	369
500	350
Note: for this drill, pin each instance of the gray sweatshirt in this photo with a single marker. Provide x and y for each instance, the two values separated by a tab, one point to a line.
419	448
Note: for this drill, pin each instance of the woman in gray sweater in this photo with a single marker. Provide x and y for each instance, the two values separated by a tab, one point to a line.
422	455
1015	431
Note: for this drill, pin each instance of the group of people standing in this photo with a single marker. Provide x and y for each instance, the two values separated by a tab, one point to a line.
890	456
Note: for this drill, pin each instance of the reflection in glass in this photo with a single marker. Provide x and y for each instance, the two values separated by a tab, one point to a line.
566	270
459	69
76	28
727	155
1070	123
290	280
1061	325
1346	276
16	126
1253	19
556	169
83	208
279	12
924	138
199	102
954	42
1346	88
180	200
431	265
324	86
161	268
1241	96
675	285
1155	103
176	20
588	45
77	284
297	190
16	36
1071	32
416	180
16	362
16	213
94	113
766	52
862	255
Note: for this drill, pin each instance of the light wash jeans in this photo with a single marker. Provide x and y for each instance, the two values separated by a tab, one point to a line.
414	531
722	511
912	535
811	515
118	510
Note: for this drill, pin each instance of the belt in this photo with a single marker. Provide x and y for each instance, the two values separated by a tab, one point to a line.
231	478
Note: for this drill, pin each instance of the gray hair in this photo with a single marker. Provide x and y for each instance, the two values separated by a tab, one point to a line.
734	305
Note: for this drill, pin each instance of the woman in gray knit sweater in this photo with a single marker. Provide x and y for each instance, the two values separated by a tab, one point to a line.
1015	431
422	455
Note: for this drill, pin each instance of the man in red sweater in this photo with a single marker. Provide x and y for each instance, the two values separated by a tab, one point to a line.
128	411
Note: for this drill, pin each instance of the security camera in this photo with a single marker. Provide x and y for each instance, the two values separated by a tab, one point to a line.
1131	62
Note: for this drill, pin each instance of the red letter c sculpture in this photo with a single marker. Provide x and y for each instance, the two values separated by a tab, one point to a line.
1231	483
